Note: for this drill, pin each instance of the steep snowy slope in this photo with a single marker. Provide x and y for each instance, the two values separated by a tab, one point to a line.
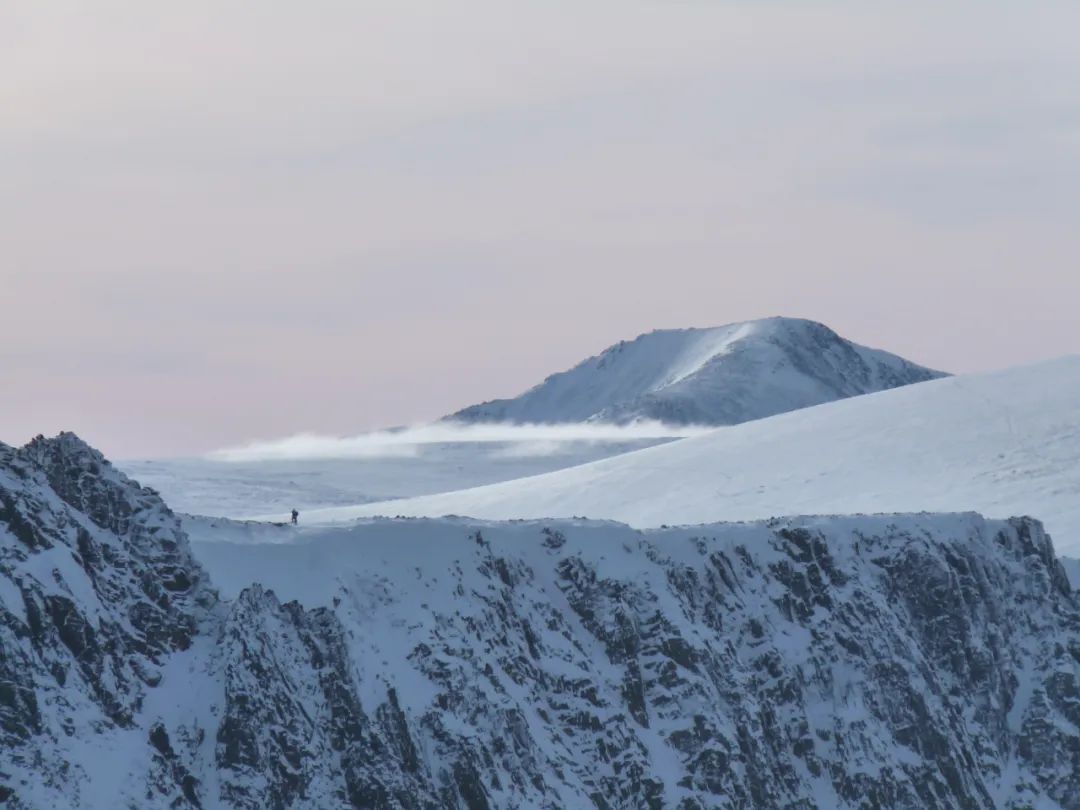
1001	444
719	376
889	662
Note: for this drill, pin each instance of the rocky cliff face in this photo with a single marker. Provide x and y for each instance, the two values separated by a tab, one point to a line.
904	661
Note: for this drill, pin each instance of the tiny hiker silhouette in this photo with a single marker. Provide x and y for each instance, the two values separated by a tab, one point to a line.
295	515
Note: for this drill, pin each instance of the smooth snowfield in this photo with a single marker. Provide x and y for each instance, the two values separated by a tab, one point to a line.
266	479
718	376
1002	444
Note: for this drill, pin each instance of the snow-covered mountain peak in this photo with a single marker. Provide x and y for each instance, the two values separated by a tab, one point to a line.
719	375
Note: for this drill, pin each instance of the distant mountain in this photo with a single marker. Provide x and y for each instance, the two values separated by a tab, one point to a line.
719	376
898	661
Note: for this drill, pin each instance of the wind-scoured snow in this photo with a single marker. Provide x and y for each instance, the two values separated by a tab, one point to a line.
719	376
1002	444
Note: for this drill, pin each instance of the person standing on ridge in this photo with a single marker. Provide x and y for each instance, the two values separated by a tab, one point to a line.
295	515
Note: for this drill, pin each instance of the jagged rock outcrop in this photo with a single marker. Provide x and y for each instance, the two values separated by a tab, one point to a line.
926	661
99	590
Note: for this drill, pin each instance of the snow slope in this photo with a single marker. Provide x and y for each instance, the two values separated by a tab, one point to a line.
719	376
211	486
1002	444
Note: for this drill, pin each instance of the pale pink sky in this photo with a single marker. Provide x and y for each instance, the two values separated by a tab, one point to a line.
222	221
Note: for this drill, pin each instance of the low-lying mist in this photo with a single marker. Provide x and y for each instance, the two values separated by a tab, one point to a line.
512	440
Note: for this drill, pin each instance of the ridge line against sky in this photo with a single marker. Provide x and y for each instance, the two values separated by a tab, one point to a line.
222	222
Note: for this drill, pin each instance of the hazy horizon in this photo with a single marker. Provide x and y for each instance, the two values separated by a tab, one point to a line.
224	223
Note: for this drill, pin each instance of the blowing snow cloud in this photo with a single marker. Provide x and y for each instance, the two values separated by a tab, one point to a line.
514	439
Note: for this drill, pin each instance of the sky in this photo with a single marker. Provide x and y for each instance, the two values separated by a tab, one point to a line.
226	221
